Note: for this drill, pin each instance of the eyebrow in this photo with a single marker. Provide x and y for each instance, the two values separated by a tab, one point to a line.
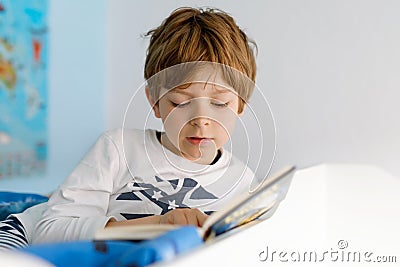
216	91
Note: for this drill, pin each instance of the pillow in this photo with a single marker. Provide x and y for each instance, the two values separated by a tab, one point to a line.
12	202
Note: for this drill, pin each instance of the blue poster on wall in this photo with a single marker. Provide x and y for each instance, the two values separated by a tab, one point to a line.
23	87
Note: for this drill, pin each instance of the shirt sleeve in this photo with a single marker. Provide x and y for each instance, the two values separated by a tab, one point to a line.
79	207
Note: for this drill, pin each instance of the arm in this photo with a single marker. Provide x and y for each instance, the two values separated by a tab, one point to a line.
79	207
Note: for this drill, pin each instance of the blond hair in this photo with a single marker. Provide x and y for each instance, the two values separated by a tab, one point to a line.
191	34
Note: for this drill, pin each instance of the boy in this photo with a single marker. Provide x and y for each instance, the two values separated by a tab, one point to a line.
200	70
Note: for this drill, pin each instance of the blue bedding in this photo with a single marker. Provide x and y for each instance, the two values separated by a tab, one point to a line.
11	202
88	253
119	253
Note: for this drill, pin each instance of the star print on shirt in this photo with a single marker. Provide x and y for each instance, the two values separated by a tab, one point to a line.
156	195
172	205
164	194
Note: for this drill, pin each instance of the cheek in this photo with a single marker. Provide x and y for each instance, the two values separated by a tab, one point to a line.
174	121
226	120
225	129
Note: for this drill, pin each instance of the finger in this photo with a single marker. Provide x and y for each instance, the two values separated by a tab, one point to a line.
201	217
191	217
179	217
168	218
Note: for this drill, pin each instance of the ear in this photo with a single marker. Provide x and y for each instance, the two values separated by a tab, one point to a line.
153	105
242	111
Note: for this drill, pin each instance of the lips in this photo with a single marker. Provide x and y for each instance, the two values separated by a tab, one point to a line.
197	140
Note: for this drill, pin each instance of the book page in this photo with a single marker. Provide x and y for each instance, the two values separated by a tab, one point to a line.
133	232
250	207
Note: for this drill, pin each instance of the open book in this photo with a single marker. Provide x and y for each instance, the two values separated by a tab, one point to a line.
248	208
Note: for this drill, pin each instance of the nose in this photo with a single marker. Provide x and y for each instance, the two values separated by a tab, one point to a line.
199	112
200	121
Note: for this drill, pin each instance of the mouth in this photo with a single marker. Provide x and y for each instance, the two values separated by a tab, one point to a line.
198	140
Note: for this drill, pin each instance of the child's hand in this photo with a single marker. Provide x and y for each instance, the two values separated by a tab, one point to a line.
183	217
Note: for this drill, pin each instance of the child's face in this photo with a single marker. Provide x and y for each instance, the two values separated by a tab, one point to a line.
198	119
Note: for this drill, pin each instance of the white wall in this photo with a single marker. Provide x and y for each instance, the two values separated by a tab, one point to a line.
76	89
330	70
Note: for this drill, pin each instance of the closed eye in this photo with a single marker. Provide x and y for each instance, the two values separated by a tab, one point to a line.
180	105
220	105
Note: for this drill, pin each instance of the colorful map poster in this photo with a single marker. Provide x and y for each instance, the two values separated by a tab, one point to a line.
23	88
